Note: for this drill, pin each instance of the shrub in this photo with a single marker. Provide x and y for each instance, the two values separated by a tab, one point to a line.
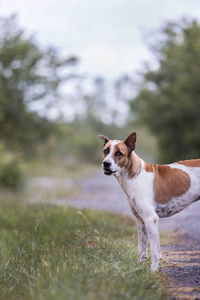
11	170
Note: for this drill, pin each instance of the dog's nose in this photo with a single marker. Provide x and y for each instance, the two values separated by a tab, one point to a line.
106	164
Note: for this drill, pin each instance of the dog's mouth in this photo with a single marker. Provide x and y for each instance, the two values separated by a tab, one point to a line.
108	172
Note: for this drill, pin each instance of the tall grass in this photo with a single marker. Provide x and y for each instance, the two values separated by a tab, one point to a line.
50	252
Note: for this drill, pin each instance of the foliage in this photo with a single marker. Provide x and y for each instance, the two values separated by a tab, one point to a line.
29	77
50	252
80	140
11	170
168	101
30	84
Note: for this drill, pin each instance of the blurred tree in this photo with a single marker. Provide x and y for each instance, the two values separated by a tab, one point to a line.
27	75
169	98
124	89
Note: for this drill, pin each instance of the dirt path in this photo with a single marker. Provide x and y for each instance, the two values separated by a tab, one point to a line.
181	261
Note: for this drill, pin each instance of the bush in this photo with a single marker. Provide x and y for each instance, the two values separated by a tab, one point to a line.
11	170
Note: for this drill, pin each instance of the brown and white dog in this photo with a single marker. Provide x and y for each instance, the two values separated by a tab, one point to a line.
153	191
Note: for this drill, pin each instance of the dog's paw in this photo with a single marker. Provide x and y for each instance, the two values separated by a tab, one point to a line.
142	258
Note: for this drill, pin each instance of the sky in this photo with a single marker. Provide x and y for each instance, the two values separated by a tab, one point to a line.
109	36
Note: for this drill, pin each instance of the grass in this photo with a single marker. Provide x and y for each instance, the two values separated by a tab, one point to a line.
50	252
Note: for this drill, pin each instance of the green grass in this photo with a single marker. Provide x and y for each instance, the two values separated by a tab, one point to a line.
50	252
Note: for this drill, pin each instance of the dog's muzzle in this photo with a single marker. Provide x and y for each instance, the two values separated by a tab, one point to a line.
106	168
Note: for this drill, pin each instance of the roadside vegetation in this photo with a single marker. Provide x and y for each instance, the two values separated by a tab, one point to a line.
50	252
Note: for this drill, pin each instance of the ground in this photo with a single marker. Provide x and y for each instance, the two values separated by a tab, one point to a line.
180	259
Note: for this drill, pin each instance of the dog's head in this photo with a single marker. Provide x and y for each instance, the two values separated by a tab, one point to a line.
117	153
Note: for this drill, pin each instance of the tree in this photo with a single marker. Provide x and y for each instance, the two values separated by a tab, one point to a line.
27	75
168	101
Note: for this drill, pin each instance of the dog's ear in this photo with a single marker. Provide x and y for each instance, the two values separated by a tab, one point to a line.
105	138
130	142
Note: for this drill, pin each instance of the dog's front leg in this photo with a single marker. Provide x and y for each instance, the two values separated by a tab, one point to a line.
152	228
142	239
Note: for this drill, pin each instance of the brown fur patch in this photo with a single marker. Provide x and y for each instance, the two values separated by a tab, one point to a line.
168	182
190	163
131	163
107	145
148	167
120	160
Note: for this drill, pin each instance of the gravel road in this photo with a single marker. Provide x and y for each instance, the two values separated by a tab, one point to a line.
181	261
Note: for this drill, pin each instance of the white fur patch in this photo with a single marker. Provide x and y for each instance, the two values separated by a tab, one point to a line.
114	167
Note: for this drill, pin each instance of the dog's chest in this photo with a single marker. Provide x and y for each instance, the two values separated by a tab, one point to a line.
139	189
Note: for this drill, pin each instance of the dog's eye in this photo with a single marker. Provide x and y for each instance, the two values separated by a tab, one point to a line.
106	151
118	153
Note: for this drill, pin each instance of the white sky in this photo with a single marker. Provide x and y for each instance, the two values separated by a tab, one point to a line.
108	35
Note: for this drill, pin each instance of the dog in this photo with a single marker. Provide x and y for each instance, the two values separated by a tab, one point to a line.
153	191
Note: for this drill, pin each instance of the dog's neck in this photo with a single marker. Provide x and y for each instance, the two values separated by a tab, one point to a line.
131	169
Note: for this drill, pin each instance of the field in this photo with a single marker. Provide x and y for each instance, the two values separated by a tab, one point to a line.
50	252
